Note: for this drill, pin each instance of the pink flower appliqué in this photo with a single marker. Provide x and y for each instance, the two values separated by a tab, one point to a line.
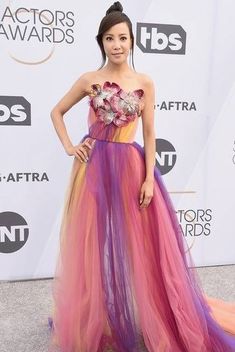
113	105
130	102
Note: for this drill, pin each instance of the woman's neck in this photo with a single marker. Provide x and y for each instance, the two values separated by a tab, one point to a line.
117	70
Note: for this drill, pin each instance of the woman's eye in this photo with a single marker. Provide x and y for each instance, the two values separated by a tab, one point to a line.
122	38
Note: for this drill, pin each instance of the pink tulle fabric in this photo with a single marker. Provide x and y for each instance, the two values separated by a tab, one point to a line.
125	279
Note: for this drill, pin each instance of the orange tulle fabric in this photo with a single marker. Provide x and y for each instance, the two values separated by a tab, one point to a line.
125	280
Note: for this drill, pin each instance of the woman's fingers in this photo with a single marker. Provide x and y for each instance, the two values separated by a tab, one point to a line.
141	196
82	150
146	201
86	143
78	156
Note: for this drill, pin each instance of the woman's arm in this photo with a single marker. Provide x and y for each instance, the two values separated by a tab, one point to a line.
148	128
146	191
73	96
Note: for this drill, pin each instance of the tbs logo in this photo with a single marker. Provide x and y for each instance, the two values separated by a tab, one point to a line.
14	111
161	38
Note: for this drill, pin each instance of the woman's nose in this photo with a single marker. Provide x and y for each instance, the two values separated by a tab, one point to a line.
116	45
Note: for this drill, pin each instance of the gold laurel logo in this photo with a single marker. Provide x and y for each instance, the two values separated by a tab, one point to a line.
37	62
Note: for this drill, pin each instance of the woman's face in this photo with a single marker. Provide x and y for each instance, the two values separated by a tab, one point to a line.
117	43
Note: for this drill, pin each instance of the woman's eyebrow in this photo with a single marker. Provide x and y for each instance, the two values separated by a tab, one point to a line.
119	34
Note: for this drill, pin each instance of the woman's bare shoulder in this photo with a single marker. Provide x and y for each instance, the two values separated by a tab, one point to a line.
145	80
87	79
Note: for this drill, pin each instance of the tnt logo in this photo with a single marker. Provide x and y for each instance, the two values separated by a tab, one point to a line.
161	38
166	156
14	111
14	232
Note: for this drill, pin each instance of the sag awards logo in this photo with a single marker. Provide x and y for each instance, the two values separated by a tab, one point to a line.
195	223
14	232
177	106
33	27
15	111
165	156
24	177
161	38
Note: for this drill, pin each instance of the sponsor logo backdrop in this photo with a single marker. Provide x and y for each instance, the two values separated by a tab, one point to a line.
45	47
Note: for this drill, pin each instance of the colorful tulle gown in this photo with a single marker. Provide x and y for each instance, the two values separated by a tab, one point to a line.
125	280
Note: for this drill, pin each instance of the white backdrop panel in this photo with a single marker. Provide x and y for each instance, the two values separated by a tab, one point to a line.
195	109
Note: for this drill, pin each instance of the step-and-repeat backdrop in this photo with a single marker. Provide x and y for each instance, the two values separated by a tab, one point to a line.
187	48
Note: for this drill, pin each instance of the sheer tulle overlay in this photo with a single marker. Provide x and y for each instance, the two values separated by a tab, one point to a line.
125	279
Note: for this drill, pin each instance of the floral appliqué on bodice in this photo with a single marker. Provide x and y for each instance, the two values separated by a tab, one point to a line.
113	105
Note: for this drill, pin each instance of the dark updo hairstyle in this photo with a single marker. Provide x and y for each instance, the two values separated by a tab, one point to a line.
114	15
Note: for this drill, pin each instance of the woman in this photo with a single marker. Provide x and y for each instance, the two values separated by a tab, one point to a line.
123	281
